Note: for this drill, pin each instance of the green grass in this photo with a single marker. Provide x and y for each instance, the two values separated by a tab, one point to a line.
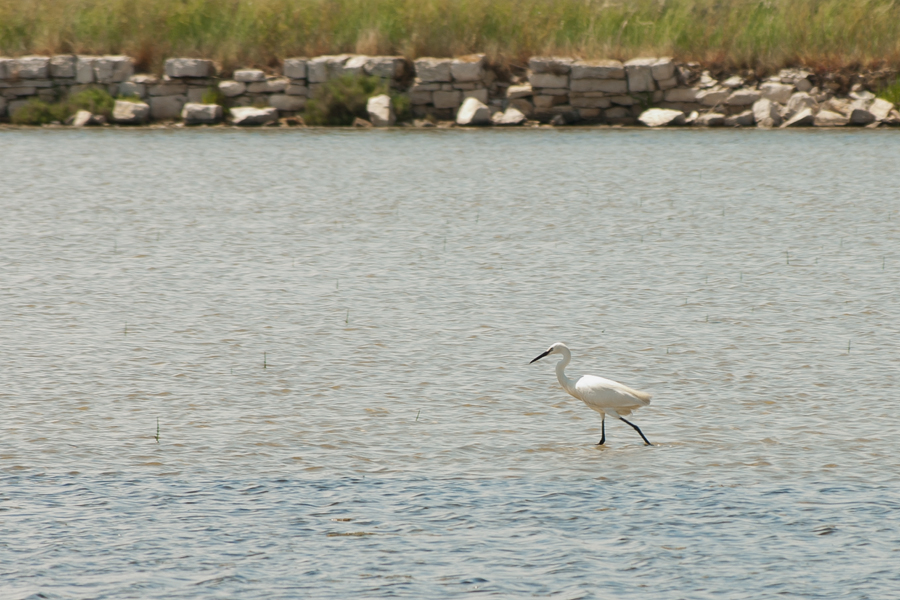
891	92
736	33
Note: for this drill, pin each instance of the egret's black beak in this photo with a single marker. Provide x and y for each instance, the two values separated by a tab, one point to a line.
541	356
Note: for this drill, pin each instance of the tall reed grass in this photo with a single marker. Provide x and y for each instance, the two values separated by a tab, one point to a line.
733	33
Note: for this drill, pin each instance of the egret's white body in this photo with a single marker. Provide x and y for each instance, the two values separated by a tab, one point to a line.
605	396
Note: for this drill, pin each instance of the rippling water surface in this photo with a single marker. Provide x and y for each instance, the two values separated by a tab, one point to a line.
332	331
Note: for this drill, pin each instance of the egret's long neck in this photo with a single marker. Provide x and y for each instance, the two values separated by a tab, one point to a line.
561	370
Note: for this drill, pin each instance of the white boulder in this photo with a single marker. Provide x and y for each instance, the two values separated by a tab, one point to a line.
766	113
827	118
245	116
776	92
661	117
130	113
230	89
201	114
381	111
511	116
473	112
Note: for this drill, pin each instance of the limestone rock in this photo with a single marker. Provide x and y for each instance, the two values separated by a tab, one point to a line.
448	99
362	123
168	88
799	101
166	107
287	103
610	86
245	116
62	65
468	68
294	68
827	118
511	116
548	80
859	113
249	75
667	84
766	113
355	65
480	94
322	68
230	89
660	117
201	114
84	69
681	95
713	96
433	69
639	72
591	102
274	85
295	89
550	64
130	113
30	67
524	105
776	92
837	105
710	120
743	97
881	108
519	91
190	67
663	69
113	69
381	111
597	69
84	118
130	88
803	118
734	82
744	119
473	112
386	67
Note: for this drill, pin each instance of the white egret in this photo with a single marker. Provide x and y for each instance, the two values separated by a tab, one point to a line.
605	396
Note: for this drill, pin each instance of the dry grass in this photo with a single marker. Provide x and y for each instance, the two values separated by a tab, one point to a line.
738	33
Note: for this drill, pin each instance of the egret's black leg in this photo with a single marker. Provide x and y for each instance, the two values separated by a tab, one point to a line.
603	429
638	429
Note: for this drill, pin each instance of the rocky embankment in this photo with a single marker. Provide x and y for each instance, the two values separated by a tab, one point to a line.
464	91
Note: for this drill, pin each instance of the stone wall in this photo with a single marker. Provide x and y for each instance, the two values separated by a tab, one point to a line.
466	90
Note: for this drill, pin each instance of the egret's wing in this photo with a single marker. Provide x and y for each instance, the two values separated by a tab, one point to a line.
599	392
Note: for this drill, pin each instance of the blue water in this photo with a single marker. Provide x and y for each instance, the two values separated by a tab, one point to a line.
333	330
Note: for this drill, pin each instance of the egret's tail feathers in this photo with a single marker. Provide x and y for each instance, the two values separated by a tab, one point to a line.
642	396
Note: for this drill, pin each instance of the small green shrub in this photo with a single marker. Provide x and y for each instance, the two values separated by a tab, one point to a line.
402	106
38	112
213	95
96	100
891	92
341	100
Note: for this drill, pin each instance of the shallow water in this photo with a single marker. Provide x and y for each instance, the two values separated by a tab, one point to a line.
333	329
